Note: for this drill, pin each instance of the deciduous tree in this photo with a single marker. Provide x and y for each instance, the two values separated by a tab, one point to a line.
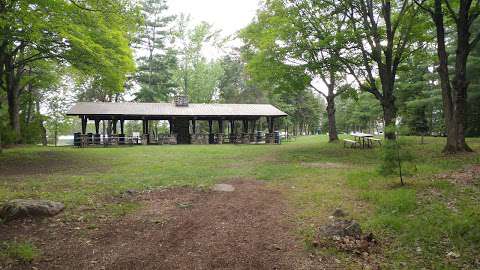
453	78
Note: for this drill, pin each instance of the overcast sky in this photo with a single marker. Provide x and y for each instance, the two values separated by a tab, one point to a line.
229	16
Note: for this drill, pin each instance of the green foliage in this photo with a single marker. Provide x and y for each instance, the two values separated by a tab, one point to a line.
196	76
473	97
21	251
155	69
361	113
418	97
234	86
396	159
42	39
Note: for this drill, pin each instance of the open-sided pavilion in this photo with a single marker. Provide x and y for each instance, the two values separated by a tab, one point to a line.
182	118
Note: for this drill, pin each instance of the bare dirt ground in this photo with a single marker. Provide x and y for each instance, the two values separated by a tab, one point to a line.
46	163
179	228
467	176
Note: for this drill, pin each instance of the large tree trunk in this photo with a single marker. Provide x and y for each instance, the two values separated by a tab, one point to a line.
14	112
389	108
389	117
43	134
454	109
43	130
332	127
13	98
460	83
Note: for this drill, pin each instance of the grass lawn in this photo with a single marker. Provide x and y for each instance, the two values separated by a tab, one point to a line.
417	224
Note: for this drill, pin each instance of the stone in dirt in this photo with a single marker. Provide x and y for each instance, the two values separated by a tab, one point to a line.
343	228
22	208
223	187
129	192
339	213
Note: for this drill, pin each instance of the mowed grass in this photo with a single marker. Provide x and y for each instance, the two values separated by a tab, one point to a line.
417	224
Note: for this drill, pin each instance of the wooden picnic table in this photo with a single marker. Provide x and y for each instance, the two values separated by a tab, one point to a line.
361	137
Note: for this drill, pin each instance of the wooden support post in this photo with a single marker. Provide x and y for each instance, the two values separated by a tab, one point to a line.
270	124
232	127
220	126
245	126
194	126
97	126
84	124
147	131
121	138
114	123
170	124
143	127
96	138
211	137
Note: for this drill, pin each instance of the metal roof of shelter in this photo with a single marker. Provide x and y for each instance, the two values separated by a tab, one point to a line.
172	110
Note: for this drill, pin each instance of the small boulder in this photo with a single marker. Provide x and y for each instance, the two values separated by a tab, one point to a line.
343	228
21	208
353	229
129	193
339	213
223	187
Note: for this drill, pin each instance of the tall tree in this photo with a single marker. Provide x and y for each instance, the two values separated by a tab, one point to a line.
453	79
89	35
234	85
303	34
383	33
155	68
196	76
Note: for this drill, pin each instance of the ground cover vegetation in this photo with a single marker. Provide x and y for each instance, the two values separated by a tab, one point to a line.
417	224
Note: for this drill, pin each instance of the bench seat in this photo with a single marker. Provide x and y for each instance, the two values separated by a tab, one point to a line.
351	142
375	140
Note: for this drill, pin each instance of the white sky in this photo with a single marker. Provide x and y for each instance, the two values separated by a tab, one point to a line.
229	16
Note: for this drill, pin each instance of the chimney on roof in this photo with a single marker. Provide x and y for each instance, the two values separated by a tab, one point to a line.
181	100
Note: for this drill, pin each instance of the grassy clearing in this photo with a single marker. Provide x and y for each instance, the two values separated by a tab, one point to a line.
419	223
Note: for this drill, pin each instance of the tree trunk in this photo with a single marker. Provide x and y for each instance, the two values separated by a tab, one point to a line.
460	83
454	109
332	127
389	118
43	134
55	134
13	93
40	120
14	112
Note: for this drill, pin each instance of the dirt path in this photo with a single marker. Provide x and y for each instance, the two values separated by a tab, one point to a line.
180	228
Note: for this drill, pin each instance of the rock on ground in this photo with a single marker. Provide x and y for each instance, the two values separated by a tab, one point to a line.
223	187
343	228
21	208
339	213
